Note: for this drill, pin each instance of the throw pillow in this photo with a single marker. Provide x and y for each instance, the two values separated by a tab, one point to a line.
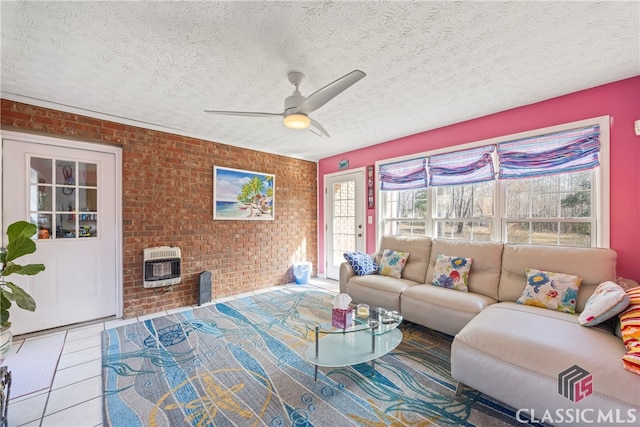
555	291
452	272
361	263
630	328
608	300
392	263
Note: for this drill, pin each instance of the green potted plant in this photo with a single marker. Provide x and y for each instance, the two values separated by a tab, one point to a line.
19	243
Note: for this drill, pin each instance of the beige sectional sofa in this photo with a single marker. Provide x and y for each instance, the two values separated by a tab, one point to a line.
510	351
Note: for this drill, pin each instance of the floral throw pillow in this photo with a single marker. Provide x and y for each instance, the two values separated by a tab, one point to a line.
608	300
452	272
361	262
555	291
392	263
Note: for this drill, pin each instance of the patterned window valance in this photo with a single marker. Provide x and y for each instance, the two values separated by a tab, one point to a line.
550	154
404	175
462	167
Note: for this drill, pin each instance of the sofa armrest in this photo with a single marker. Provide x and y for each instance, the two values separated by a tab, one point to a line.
346	273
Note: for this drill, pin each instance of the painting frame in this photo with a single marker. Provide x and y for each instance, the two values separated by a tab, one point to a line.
244	195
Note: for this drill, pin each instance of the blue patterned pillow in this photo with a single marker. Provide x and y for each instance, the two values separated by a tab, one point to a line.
361	262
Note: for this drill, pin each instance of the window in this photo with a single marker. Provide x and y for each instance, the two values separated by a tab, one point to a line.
521	206
553	210
464	212
406	212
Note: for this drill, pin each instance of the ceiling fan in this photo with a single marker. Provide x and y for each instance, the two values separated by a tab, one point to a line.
298	107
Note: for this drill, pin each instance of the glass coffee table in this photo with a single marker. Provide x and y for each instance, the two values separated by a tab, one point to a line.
368	338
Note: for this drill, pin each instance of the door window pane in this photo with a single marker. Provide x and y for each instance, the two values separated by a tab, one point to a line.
87	174
63	204
344	220
40	171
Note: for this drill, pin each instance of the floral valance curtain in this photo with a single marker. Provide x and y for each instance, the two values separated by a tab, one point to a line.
550	154
404	175
462	167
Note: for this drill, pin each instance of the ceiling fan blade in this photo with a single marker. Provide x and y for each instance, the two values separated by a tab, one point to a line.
320	97
244	113
317	128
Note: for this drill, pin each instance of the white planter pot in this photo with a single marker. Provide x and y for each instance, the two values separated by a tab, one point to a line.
6	339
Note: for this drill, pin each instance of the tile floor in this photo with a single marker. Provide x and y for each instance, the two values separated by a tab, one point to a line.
75	396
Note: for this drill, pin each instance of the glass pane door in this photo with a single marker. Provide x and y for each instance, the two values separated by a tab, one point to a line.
344	219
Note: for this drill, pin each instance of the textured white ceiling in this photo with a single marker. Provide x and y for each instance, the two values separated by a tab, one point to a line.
428	64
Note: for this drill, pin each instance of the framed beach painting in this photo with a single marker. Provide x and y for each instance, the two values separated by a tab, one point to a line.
245	195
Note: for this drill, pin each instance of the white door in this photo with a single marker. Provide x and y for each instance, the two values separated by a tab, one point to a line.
70	194
344	218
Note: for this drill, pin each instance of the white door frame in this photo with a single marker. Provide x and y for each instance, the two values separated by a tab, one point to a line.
329	215
108	149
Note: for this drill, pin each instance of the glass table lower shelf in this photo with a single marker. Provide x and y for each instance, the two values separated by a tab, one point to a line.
364	341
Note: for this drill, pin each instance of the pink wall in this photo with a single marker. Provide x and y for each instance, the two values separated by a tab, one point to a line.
620	100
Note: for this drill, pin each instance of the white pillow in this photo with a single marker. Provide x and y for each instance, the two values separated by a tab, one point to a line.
608	300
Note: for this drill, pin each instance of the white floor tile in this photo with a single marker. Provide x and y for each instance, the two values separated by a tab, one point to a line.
74	374
206	304
151	316
225	299
74	394
26	410
77	345
15	347
84	332
28	396
179	310
81	356
119	322
86	414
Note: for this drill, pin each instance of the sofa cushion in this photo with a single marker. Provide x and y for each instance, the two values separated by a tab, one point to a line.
484	275
392	263
452	272
377	290
419	249
442	309
518	344
608	300
361	263
555	291
594	265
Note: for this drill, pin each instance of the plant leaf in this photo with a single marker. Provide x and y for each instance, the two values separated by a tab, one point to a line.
25	270
19	246
5	304
21	228
21	298
10	268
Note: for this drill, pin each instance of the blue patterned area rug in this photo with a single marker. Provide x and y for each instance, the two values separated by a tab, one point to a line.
241	363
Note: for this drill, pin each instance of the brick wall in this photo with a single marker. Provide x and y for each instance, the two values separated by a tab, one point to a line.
167	200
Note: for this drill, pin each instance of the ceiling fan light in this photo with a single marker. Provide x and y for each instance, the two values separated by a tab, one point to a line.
297	121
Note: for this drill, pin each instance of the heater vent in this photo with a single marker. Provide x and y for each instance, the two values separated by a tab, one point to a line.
162	266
